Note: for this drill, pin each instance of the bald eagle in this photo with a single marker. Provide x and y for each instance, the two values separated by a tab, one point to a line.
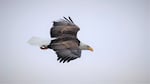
65	42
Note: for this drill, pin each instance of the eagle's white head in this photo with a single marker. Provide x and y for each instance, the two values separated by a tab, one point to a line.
83	46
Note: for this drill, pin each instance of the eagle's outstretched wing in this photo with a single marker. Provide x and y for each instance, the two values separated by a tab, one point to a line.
66	44
64	27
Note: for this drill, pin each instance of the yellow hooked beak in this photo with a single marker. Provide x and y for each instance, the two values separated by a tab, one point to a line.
91	49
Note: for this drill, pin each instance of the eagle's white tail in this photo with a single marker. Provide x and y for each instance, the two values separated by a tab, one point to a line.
38	41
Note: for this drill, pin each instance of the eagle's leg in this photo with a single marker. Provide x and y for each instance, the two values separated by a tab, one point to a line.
43	47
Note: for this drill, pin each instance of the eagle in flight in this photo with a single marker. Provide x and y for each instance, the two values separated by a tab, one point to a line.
64	40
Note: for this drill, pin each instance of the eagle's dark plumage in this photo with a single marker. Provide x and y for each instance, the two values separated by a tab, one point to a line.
65	42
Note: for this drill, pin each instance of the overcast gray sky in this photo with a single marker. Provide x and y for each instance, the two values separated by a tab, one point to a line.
118	30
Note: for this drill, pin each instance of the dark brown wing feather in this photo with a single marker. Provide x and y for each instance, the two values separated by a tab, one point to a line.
66	49
64	26
66	44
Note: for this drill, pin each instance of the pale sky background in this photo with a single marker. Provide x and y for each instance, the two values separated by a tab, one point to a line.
118	30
